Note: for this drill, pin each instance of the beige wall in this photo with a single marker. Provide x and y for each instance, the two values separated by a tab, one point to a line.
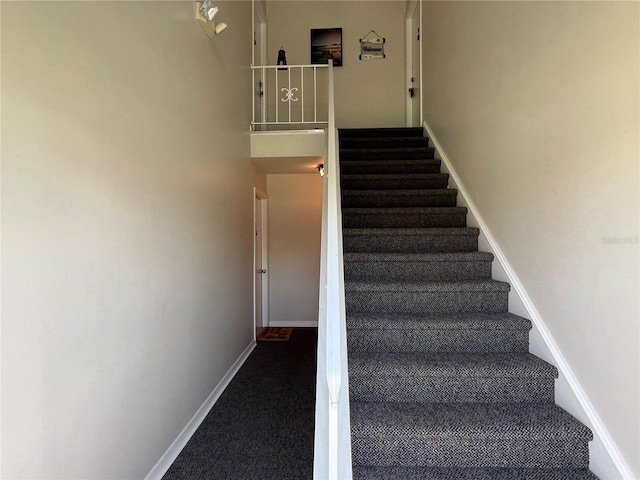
536	104
295	221
368	93
127	210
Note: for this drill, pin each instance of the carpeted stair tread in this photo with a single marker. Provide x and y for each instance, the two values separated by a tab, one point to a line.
434	473
426	297
381	132
427	192
393	153
347	142
467	435
484	421
419	257
449	364
398	176
410	240
382	142
476	320
457	286
471	332
429	165
441	197
370	181
412	232
450	377
403	217
417	266
407	210
388	152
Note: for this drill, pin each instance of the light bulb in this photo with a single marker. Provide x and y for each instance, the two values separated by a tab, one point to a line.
208	9
211	12
220	27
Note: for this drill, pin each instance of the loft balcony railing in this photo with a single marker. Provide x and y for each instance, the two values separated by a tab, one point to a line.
290	96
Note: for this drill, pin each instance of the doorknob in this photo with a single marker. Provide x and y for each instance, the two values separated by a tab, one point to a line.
263	271
411	92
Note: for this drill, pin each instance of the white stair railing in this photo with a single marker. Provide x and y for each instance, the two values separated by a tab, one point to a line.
289	95
332	444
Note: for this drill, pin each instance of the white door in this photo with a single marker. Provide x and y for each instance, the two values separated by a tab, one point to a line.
260	262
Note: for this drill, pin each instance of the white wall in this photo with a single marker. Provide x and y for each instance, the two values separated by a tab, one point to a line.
537	106
295	221
368	93
126	229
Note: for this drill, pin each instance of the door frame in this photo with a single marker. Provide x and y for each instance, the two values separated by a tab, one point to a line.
262	214
412	28
259	31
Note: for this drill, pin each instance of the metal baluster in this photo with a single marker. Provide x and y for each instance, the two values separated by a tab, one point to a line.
315	94
290	94
302	93
263	96
253	104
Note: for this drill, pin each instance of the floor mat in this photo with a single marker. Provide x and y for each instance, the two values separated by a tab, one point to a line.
274	334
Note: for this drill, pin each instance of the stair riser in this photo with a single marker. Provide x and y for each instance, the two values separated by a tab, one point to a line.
382	142
437	341
395	154
399	220
381	167
450	389
426	302
416	271
355	183
409	243
469	452
390	201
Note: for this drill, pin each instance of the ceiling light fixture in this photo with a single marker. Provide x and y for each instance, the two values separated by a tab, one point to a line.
205	13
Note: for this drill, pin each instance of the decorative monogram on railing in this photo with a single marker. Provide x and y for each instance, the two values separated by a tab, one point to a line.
288	94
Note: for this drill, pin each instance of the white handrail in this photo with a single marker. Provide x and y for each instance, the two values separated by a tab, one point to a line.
286	67
332	449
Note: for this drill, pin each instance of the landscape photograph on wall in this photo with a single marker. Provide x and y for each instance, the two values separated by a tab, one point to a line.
326	44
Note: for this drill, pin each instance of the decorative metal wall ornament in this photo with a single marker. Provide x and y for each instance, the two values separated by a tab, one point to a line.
372	46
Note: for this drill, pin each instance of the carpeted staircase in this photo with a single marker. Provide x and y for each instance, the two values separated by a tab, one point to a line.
441	382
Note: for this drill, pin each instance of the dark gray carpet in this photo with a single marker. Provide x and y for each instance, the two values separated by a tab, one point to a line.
441	382
262	426
404	473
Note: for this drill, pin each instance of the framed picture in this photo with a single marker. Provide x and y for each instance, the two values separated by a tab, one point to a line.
372	46
326	43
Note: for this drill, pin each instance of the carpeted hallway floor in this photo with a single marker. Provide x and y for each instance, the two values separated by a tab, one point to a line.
262	426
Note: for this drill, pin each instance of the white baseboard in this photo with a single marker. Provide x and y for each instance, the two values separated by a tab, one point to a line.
170	455
299	323
596	423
